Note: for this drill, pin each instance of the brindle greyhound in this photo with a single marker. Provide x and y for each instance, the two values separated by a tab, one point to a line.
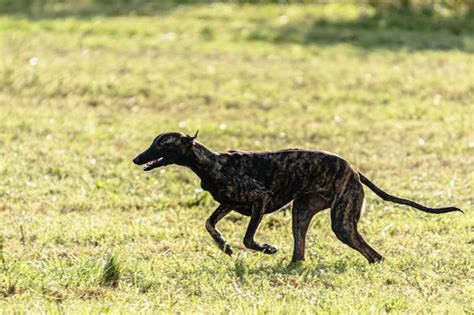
257	183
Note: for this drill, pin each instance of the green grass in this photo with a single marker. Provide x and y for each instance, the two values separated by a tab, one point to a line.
83	230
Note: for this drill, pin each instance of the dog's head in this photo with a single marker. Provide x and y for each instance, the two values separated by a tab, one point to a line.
167	148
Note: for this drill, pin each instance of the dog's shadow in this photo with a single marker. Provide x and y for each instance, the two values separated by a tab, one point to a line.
307	271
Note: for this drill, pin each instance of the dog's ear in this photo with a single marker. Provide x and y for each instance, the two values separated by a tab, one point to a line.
189	140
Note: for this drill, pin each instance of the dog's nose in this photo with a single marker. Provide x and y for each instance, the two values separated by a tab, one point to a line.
136	160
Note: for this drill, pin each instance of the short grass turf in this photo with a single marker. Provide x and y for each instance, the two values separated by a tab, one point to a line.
85	231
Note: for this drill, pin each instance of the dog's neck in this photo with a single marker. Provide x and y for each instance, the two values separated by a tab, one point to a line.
204	162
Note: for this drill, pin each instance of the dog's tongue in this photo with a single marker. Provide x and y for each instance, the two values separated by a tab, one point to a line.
151	163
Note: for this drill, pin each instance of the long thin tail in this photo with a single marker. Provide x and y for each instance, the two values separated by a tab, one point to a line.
387	197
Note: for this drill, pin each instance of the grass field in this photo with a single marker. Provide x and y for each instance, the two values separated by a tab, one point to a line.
85	231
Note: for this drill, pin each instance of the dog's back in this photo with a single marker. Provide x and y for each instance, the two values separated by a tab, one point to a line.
289	172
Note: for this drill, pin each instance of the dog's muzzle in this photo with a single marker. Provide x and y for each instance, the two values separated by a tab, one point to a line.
148	166
153	164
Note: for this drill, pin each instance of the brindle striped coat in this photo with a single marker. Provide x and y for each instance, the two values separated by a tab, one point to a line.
257	183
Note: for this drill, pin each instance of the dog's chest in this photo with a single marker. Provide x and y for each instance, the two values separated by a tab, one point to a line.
206	187
216	194
221	192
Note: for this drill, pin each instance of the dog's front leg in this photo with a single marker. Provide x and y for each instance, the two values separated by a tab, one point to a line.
249	239
218	214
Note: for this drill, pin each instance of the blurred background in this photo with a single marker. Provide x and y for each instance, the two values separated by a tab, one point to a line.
86	85
39	7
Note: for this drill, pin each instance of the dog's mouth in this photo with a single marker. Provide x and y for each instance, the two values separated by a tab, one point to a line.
153	164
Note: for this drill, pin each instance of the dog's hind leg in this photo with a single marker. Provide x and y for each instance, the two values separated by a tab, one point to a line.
345	213
304	208
211	222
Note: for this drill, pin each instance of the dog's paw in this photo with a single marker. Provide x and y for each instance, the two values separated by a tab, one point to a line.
226	248
269	249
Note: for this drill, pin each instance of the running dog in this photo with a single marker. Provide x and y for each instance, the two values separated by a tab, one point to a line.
258	183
